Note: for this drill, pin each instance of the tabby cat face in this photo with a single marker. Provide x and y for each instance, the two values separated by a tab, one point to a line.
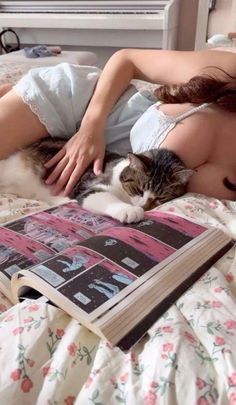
154	177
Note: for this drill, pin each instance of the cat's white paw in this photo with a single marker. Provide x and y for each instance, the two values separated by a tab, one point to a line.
129	213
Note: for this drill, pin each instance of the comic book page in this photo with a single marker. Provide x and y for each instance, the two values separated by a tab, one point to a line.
98	271
32	239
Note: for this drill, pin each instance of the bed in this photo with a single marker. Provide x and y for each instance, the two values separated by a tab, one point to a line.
187	357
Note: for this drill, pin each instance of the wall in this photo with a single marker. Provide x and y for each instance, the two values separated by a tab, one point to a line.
222	20
187	24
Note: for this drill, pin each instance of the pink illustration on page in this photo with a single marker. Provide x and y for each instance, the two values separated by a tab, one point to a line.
176	222
152	248
27	247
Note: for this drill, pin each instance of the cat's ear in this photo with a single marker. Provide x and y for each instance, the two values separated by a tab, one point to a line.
139	162
183	175
126	176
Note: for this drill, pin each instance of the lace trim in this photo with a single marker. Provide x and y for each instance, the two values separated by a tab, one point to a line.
23	93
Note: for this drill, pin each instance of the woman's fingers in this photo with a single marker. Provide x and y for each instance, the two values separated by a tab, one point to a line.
57	171
52	162
98	165
79	168
64	177
73	180
70	163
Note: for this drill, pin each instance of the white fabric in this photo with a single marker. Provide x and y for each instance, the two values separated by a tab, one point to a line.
152	128
59	96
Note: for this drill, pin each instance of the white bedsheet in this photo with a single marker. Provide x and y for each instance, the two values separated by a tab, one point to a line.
188	356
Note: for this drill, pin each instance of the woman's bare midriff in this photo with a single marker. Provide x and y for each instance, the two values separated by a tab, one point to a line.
206	142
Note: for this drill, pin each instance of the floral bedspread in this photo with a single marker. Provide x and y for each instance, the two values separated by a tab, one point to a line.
187	357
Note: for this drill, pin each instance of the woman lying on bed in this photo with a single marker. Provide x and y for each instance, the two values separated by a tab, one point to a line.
92	108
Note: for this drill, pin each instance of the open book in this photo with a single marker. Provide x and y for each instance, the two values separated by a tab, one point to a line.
115	279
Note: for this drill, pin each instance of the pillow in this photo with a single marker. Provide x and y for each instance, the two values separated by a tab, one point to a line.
224	48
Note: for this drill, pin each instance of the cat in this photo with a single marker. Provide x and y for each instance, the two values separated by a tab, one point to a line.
127	187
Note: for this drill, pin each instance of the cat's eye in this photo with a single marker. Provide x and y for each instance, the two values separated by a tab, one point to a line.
139	191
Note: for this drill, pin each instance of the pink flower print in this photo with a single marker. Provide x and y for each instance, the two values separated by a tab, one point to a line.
28	320
167	329
69	400
46	371
171	209
229	277
60	333
150	398
133	357
18	331
218	289
72	348
202	401
216	304
190	337
109	345
232	398
200	383
31	363
227	351
9	318
219	341
113	381
230	324
154	385
16	374
189	206
232	379
26	384
167	347
33	307
88	382
213	205
124	378
164	356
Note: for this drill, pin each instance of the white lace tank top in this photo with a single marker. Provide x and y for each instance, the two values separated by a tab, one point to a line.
153	126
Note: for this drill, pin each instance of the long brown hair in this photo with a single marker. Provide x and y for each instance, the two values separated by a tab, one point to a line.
201	89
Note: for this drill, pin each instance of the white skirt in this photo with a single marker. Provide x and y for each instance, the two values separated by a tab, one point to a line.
59	96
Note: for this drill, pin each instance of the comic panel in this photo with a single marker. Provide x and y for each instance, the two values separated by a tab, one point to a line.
177	223
18	252
72	212
96	286
162	232
50	231
63	267
132	258
150	247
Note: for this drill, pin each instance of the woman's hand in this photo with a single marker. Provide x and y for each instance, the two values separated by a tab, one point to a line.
74	158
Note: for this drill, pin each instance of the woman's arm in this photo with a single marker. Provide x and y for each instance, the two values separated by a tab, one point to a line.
156	66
